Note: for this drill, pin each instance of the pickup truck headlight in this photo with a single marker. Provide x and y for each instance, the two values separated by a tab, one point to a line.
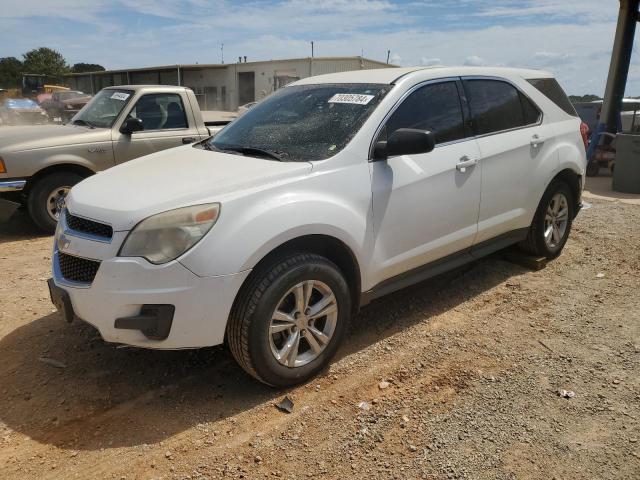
165	236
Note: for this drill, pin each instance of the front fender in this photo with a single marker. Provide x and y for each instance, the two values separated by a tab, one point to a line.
239	241
28	163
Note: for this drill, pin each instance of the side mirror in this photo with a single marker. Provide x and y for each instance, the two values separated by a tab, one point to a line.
405	141
131	125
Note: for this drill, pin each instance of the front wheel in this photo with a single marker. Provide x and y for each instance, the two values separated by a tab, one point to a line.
552	222
46	199
289	319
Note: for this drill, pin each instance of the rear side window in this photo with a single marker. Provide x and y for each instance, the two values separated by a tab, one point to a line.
497	106
531	113
551	89
435	107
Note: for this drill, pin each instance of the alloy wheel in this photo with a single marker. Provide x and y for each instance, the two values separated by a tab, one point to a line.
303	323
556	220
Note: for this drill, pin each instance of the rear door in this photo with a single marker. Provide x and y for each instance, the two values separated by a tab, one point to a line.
516	150
167	123
426	205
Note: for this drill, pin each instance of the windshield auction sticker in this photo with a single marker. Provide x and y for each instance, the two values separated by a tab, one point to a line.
355	98
120	96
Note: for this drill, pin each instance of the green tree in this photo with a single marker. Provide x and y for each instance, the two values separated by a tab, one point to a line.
10	72
45	61
87	67
584	98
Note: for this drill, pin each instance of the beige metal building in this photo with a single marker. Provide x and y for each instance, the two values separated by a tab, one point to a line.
224	86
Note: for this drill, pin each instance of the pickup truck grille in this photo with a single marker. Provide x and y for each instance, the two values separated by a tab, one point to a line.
89	227
77	269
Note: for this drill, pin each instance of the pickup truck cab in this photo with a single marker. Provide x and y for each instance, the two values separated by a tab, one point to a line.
327	194
38	165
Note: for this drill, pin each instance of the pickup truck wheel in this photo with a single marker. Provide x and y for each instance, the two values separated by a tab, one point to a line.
46	199
289	319
551	224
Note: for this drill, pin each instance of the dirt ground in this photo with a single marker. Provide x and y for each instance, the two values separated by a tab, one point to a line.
459	376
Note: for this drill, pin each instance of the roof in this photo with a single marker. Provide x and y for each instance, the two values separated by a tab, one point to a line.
391	75
199	66
164	88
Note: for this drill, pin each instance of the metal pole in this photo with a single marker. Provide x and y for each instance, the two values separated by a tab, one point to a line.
222	54
311	49
388	54
618	72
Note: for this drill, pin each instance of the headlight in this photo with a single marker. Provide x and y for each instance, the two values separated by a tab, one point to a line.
165	236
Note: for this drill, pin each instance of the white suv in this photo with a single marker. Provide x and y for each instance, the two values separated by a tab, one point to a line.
329	193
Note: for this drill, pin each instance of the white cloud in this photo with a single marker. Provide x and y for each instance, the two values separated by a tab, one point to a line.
395	59
474	61
429	62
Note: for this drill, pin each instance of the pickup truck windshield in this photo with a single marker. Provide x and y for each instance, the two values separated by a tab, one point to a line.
103	109
302	123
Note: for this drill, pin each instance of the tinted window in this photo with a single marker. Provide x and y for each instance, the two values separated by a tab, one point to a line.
160	111
434	107
551	89
497	106
530	111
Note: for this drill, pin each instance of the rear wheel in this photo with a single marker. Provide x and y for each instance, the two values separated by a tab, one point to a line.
290	318
46	198
551	224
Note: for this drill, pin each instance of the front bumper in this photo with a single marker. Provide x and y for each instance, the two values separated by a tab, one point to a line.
124	288
12	185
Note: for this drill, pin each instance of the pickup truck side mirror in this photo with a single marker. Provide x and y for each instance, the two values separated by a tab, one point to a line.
131	125
405	141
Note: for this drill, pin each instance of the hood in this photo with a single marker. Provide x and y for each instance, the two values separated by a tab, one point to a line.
174	178
17	139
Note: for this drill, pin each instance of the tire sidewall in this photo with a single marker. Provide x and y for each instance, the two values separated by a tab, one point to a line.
554	188
269	369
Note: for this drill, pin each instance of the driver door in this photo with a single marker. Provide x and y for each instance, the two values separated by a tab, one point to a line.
165	123
425	206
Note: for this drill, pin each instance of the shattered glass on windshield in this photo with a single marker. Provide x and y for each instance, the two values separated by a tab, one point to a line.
302	123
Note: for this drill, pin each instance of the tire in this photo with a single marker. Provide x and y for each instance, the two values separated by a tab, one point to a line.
593	169
39	201
255	338
550	247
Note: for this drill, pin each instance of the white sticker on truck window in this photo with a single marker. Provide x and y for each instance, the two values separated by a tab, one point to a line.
355	98
120	96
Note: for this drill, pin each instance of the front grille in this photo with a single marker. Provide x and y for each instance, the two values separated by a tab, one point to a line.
77	269
90	227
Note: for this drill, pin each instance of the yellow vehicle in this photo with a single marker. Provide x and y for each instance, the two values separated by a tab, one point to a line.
55	88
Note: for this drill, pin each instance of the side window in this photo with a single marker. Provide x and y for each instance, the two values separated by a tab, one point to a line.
160	111
435	107
531	113
497	106
550	88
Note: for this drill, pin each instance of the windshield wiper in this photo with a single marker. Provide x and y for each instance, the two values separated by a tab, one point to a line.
280	156
80	121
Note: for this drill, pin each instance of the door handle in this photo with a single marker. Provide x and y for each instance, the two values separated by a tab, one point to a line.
188	140
465	162
536	140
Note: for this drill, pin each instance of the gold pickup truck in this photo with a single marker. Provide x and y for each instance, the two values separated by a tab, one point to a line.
40	164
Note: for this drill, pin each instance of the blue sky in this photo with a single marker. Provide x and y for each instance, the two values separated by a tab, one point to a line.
572	38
